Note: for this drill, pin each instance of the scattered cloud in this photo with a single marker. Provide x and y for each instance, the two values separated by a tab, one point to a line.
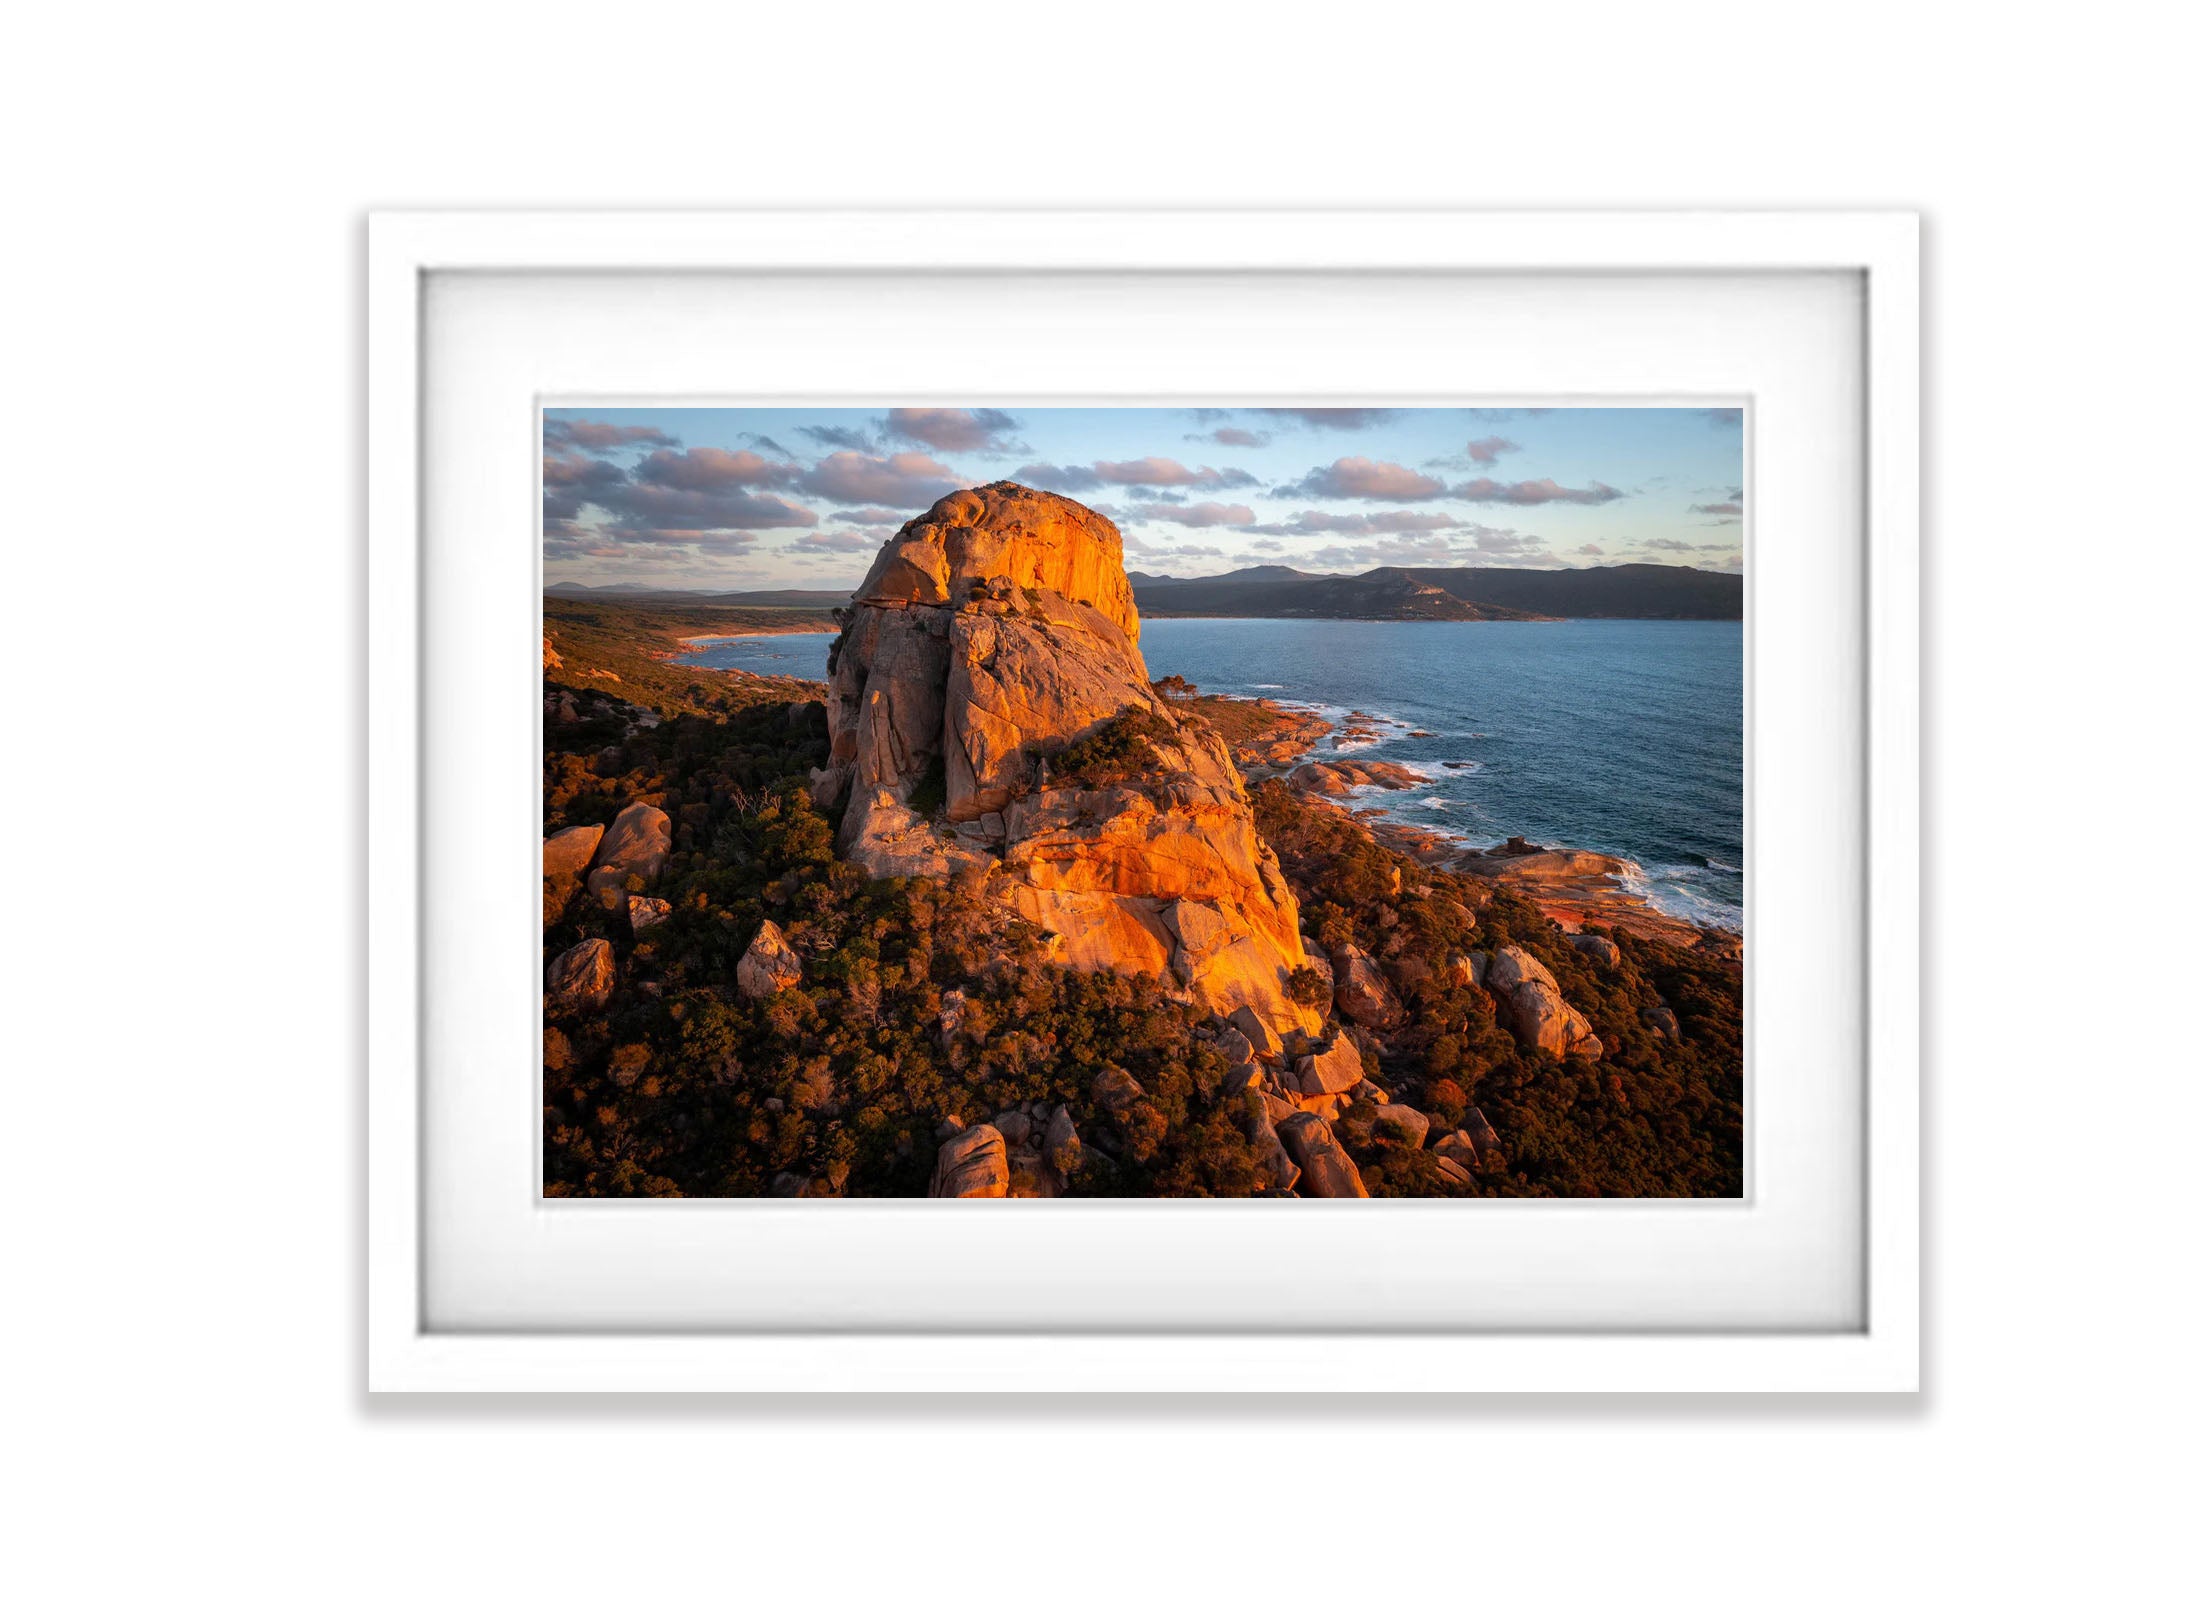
1236	438
1719	508
1358	478
1371	522
871	517
835	438
906	479
1058	480
684	499
952	429
1588	550
1203	514
1344	419
578	433
1506	413
1478	453
1161	472
835	541
1535	492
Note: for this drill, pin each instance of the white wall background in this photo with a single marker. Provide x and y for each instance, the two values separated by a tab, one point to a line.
182	637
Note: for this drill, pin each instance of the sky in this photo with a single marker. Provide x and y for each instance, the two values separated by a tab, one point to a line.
802	497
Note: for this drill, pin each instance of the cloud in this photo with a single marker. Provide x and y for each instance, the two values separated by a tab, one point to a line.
691	498
835	541
1535	492
1723	416
1506	413
906	479
839	438
1358	478
1588	550
872	517
1346	419
1236	438
1057	480
578	433
951	429
706	467
1205	514
1161	472
1719	508
1485	451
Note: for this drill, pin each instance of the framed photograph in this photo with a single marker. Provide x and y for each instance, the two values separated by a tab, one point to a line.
1355	773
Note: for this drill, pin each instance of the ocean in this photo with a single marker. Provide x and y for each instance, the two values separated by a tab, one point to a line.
1623	737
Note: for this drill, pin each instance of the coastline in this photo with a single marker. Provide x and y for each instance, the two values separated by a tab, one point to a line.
1574	888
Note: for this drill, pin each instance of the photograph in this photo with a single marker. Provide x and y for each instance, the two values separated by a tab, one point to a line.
1144	802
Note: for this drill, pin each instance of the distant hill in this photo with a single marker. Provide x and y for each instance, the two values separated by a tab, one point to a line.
1637	590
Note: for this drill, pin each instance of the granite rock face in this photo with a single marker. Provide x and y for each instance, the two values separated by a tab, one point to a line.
1540	1017
993	636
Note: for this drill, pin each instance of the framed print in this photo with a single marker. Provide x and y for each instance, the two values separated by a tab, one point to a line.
1354	775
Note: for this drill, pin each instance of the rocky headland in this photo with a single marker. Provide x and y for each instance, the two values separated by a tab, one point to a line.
1002	918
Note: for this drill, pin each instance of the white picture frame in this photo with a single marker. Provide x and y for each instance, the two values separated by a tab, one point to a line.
406	1351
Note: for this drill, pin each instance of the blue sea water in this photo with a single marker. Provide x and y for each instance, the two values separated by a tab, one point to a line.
1618	736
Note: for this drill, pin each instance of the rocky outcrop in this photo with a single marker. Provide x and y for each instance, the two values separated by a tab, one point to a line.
1597	950
1540	1017
646	911
1401	1125
1335	1068
973	1165
1336	779
994	637
634	846
580	980
1325	1171
769	965
1363	994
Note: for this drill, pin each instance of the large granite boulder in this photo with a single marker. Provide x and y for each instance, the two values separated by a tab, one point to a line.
580	980
1539	1015
1401	1125
635	845
567	852
973	1165
769	965
1325	1171
994	637
1333	1069
1363	993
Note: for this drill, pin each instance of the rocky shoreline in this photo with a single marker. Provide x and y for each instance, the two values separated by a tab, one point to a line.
1576	889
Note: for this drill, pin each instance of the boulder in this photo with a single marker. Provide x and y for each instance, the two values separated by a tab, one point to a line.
567	852
580	980
634	846
1278	1172
1401	1125
1453	1173
994	635
1266	1043
1247	1075
1455	1147
1363	994
1235	1047
769	965
1333	1069
1539	1016
1599	951
1479	1132
1116	1090
1325	1171
642	911
1663	1019
973	1165
1015	1128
